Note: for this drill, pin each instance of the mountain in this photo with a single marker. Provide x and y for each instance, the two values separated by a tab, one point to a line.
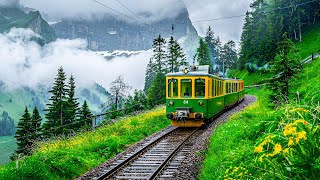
109	33
11	17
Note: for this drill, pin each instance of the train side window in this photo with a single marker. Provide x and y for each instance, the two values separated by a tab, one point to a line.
236	87
227	88
209	88
200	87
216	88
213	87
172	88
219	87
186	88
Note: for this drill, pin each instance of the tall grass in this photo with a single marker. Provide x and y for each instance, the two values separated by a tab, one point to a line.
70	158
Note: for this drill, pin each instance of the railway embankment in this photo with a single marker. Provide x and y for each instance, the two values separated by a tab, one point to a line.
263	142
72	157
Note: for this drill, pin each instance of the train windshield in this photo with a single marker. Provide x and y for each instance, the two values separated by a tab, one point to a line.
186	88
200	88
172	88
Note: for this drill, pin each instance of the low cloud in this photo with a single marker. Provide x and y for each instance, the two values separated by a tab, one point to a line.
226	29
26	64
86	9
9	2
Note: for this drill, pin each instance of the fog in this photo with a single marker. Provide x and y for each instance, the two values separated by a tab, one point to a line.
26	64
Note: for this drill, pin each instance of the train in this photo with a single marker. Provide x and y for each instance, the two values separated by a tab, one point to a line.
194	96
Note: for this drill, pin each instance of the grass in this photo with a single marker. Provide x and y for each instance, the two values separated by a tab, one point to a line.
232	151
70	158
8	146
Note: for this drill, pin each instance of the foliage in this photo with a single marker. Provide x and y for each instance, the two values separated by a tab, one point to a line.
72	106
175	56
6	125
228	56
150	75
23	135
203	54
85	116
285	66
293	150
119	90
56	112
159	54
72	157
267	21
157	92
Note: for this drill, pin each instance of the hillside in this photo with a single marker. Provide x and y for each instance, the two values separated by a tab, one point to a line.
261	142
14	17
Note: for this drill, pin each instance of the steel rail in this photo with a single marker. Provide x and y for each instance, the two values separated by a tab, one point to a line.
160	168
127	160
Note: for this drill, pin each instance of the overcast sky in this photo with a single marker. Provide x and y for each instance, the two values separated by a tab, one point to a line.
151	10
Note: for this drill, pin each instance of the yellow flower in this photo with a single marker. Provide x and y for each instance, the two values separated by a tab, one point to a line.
300	121
299	109
286	150
258	149
277	148
291	142
261	158
302	135
289	129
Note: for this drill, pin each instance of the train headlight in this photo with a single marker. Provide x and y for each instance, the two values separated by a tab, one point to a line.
169	115
186	70
171	103
200	103
198	116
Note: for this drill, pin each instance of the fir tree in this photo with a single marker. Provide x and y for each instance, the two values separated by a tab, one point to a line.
85	116
285	66
157	92
213	45
56	112
150	75
159	54
72	104
23	135
175	56
203	54
35	129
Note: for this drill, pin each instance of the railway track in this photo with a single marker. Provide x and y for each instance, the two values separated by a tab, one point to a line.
158	159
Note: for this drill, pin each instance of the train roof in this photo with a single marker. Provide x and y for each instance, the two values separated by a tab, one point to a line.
196	71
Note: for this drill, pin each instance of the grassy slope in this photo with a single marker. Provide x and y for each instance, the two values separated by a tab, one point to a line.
8	146
67	159
233	143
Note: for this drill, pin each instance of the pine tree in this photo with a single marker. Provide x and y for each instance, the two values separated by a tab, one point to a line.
203	54
35	129
175	56
72	105
85	116
157	92
56	112
23	135
159	54
150	75
213	45
285	66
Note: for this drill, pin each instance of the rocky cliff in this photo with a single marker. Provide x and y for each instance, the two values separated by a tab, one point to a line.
15	17
108	33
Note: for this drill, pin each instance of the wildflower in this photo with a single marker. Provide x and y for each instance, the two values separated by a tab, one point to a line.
289	129
291	142
299	109
227	171
258	149
261	158
300	121
286	150
301	135
277	148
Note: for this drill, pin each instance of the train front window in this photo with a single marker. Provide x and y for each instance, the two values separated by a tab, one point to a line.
172	88
200	87
186	88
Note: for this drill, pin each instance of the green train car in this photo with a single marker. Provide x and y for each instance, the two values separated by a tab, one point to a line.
194	96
